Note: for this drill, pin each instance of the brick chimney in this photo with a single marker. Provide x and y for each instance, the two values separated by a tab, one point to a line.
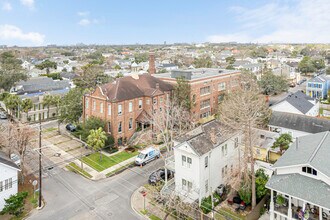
213	136
152	68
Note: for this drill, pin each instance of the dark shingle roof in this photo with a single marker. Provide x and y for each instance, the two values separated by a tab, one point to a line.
200	139
129	87
42	84
300	101
5	160
299	122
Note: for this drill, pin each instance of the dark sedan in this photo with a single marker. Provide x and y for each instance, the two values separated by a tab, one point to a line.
159	175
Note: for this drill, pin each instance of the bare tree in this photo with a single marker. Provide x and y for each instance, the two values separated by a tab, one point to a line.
173	121
16	139
242	110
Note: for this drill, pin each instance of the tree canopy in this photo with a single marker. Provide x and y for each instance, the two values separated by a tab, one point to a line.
283	142
182	92
203	62
46	64
272	84
15	204
96	139
11	70
91	76
71	105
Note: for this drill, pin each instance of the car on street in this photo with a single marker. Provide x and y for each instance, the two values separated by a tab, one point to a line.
71	127
16	159
146	156
159	175
3	115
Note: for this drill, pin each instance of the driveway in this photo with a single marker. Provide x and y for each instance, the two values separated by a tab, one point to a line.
70	196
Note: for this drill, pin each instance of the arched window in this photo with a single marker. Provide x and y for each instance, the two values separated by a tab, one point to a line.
309	170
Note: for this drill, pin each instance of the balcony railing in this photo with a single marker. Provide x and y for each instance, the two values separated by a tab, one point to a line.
170	163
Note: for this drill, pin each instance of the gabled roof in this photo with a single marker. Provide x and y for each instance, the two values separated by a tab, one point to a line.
310	150
302	187
6	161
298	100
130	87
200	139
299	122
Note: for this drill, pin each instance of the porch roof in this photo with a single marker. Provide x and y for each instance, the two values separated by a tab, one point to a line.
302	187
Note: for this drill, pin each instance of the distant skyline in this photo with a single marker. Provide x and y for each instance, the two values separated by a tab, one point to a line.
63	22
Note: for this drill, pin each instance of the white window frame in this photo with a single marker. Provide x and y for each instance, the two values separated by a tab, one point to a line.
189	162
184	184
94	105
101	107
130	124
206	186
206	161
120	125
184	160
120	109
130	106
222	86
86	103
140	103
109	109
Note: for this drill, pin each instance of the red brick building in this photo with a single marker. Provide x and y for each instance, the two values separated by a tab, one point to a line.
208	87
124	103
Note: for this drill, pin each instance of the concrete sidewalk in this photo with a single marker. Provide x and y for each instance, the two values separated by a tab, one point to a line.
150	209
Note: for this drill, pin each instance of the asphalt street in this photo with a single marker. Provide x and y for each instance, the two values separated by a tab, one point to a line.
71	196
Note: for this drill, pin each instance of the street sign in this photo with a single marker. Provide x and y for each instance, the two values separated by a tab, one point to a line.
35	182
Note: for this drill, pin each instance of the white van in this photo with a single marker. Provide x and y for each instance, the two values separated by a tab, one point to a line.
146	156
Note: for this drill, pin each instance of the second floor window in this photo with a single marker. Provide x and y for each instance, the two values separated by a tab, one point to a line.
206	161
94	105
130	107
101	107
130	124
86	103
224	150
140	103
119	110
205	103
109	109
205	90
119	127
154	100
221	86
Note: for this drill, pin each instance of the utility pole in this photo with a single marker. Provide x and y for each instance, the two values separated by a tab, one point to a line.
40	170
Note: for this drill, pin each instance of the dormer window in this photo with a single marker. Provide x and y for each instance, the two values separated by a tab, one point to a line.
309	170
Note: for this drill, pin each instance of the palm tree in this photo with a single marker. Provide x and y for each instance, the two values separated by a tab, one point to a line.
96	139
47	101
12	103
27	104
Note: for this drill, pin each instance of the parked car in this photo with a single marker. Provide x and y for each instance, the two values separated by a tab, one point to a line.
3	115
159	175
16	159
146	156
71	127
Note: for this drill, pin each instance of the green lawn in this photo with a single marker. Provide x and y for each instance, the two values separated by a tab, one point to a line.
74	168
94	161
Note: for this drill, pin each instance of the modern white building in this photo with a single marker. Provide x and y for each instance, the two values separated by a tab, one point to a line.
203	159
300	186
8	179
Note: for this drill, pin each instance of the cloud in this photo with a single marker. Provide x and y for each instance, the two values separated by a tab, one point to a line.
83	13
6	6
84	22
28	3
11	32
301	21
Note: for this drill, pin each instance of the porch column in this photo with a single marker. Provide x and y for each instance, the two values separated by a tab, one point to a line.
320	213
290	209
271	205
165	175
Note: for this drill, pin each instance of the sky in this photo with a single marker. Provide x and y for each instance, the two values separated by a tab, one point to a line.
67	22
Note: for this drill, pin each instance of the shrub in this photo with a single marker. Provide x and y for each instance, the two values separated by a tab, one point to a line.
15	204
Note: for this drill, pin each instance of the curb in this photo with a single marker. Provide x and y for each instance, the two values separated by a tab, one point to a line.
137	212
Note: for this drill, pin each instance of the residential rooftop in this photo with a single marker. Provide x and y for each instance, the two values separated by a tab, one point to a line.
196	74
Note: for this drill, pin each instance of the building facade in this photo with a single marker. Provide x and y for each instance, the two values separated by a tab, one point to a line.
8	179
127	104
318	87
203	159
208	87
300	186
